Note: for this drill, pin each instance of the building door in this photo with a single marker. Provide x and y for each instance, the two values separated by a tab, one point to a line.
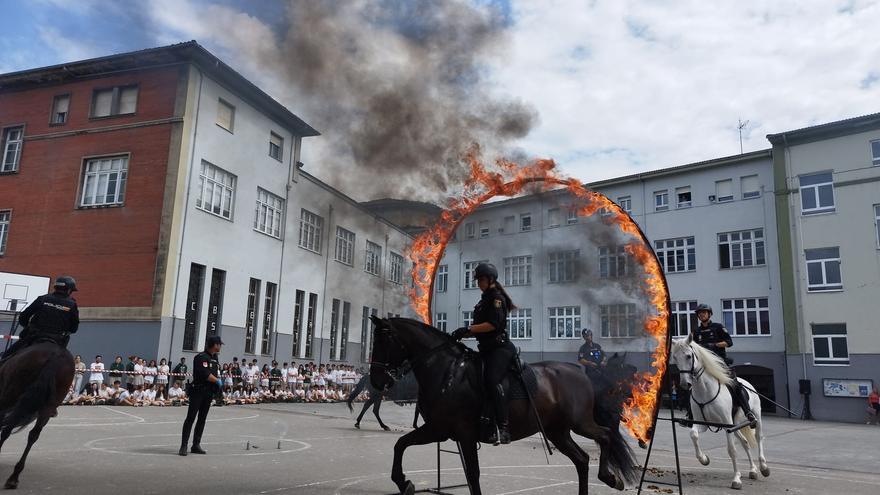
762	379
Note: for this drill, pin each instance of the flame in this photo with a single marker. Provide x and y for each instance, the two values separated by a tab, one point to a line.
511	179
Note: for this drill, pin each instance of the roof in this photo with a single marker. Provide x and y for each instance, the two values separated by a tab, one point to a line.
188	52
838	128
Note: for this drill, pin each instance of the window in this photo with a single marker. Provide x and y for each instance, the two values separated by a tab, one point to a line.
215	302
661	200
724	190
743	248
440	322
467	318
298	304
823	269
519	323
344	246
310	228
571	217
310	323
484	228
225	115
684	318
442	278
104	181
749	316
565	322
829	344
216	191
877	223
251	315
509	223
5	218
553	217
875	152
617	320
12	141
612	261
562	266
817	193
193	312
365	334
470	230
60	108
268	318
751	187
269	212
334	329
276	146
683	197
120	100
525	222
373	258
343	338
518	270
469	267
676	255
395	273
625	203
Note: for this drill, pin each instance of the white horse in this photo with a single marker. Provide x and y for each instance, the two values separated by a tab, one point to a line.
707	377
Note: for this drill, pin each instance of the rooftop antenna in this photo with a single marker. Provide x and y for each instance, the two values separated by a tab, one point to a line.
742	125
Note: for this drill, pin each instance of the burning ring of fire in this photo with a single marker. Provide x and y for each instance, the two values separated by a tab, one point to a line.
483	185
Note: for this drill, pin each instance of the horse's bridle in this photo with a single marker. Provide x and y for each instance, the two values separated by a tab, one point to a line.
390	370
696	376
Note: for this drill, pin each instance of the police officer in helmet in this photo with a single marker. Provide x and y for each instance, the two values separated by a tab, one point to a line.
591	354
490	328
206	383
51	317
714	337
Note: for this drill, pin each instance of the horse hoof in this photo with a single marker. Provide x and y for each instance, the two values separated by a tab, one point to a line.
386	428
765	471
408	489
357	425
736	485
704	460
753	475
619	485
11	484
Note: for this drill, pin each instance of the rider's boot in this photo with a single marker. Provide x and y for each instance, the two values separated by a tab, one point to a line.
503	433
488	432
501	413
743	399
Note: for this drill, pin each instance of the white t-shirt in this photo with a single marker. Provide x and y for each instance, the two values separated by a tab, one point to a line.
105	393
97	372
149	395
138	369
291	374
163	373
176	393
333	375
149	374
138	395
123	395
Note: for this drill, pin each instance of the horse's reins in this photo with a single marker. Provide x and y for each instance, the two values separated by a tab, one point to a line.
418	360
697	375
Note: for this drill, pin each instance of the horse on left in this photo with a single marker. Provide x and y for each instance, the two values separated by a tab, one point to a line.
33	383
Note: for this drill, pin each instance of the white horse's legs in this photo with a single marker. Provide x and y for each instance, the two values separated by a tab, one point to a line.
753	470
759	435
736	484
695	437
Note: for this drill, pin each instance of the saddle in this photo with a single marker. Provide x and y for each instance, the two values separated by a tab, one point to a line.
516	386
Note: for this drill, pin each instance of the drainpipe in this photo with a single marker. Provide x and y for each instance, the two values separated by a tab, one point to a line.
192	157
324	294
291	163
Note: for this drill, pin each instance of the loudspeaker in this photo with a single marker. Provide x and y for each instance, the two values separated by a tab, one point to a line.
804	387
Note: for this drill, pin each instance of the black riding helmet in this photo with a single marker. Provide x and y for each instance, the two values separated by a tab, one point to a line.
65	282
212	340
486	270
704	307
586	332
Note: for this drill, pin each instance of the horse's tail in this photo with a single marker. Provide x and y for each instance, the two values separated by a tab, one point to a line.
361	385
621	457
37	395
749	435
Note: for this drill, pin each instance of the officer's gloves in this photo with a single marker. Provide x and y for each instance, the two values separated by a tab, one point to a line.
460	333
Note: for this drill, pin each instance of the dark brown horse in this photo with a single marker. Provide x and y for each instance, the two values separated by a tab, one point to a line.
450	400
33	383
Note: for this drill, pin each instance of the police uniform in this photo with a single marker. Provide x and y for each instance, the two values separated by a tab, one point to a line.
200	392
711	335
51	317
591	352
495	348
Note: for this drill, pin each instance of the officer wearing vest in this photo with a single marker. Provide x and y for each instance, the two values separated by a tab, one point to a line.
490	328
714	337
52	317
205	385
591	354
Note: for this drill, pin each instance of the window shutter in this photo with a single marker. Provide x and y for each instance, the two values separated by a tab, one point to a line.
750	185
102	103
724	189
128	100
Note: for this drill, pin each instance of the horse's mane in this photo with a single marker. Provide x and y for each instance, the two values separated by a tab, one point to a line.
715	366
424	326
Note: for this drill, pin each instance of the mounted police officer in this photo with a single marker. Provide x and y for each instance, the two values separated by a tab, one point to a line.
714	337
206	383
591	354
490	328
52	317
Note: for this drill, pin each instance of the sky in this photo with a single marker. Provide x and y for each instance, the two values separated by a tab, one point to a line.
617	87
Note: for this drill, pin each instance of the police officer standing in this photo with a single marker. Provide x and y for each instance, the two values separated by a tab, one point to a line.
52	317
206	383
591	354
496	350
714	337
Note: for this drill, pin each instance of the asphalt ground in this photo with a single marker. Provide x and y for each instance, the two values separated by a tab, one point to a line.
314	449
